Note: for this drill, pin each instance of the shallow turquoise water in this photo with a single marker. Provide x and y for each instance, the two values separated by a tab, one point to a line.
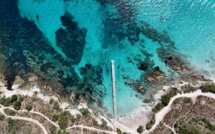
111	35
189	23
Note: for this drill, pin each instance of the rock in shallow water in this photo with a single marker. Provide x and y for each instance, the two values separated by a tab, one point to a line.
71	39
155	78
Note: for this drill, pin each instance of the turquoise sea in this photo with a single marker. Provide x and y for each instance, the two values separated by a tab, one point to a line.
73	42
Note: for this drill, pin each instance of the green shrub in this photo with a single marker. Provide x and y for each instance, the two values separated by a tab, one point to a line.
85	112
28	107
52	129
95	122
21	99
56	106
118	131
55	117
1	117
176	101
149	125
13	98
191	88
158	107
73	119
17	105
78	117
5	101
65	113
208	124
9	112
13	126
165	100
187	100
184	130
35	92
208	88
10	121
195	119
62	132
176	125
63	122
51	101
140	129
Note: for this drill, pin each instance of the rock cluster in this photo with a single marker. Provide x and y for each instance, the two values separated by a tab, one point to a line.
155	78
175	61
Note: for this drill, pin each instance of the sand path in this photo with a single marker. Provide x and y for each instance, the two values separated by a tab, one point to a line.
161	114
23	118
55	124
30	93
91	128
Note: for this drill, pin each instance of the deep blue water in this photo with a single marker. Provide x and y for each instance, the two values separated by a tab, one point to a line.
73	42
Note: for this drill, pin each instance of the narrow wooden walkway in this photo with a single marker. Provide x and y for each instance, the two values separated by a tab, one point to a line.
114	89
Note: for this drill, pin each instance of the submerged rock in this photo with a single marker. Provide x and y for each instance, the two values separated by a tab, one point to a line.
71	39
175	61
142	66
155	78
135	84
153	34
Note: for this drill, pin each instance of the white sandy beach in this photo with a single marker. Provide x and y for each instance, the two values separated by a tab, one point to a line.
141	115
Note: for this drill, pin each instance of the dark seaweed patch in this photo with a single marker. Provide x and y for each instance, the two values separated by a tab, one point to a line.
71	39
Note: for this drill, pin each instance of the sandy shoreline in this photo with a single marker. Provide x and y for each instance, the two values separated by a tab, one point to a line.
141	115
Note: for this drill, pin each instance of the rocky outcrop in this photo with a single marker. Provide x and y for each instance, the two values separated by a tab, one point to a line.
155	78
135	84
175	61
18	80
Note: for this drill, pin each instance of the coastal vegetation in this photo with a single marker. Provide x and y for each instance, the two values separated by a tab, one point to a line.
150	123
165	99
17	105
63	120
9	112
158	107
55	117
13	100
208	124
189	115
85	112
1	117
185	130
119	131
28	107
208	88
12	125
140	129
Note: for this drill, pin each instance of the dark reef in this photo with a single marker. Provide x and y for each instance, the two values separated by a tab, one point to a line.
24	46
71	39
